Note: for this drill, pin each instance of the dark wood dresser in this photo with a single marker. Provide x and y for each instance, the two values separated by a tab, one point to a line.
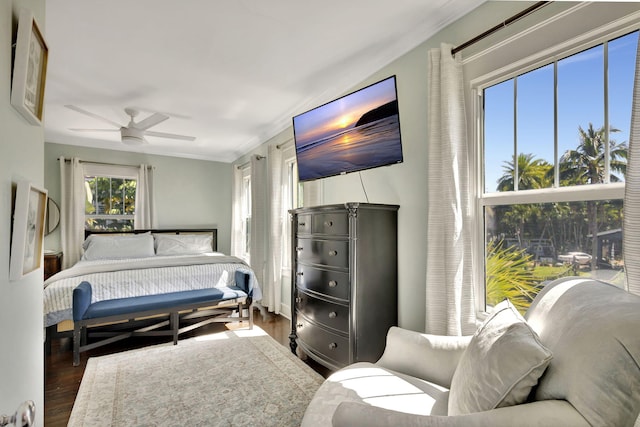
52	264
344	289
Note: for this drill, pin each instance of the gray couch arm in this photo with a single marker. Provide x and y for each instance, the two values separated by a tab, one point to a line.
543	413
430	357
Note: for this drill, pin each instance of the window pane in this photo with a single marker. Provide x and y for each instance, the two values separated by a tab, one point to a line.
535	129
116	196
498	133
581	117
622	59
109	196
130	196
108	224
527	245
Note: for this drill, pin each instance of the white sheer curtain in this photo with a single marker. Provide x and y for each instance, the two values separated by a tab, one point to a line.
631	234
259	213
145	212
272	286
71	210
449	286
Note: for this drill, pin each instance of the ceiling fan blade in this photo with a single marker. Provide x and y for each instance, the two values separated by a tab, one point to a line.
170	135
152	120
94	130
90	114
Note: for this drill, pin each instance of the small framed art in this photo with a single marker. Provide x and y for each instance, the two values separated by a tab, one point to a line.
27	238
29	69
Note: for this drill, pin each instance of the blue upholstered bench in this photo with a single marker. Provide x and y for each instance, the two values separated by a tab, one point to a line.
183	305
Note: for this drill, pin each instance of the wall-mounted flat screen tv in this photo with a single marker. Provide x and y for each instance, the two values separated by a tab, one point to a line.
358	131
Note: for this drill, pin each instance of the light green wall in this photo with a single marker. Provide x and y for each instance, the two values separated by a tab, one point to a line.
21	158
188	193
406	184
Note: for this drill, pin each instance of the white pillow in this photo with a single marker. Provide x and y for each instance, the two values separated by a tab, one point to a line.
183	244
503	362
97	247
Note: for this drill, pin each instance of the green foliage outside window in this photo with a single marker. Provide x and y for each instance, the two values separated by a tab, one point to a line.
109	203
511	274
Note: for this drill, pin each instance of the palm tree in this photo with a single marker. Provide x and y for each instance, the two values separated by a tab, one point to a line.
532	173
586	165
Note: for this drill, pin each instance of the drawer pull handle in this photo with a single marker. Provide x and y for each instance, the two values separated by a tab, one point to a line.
333	283
301	224
299	325
328	223
299	274
332	315
299	248
298	299
333	253
333	346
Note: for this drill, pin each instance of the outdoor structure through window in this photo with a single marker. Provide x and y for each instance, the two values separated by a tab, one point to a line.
553	143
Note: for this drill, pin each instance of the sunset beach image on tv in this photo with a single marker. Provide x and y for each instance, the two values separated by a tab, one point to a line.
358	131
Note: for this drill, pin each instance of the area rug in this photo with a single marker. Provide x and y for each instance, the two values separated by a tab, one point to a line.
232	378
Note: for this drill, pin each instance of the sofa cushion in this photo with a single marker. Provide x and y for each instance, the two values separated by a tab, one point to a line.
502	364
375	386
592	328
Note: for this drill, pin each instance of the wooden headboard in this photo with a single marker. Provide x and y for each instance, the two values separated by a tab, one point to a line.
212	231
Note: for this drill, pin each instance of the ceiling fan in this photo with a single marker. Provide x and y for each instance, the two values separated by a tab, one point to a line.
133	133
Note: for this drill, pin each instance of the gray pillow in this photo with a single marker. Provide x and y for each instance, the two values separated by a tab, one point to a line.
98	247
503	362
183	244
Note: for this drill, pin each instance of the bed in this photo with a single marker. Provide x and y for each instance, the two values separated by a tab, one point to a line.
143	263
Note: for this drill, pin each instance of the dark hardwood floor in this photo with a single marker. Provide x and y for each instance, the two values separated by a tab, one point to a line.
62	379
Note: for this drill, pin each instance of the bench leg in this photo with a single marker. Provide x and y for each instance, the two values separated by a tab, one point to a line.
250	316
174	320
76	343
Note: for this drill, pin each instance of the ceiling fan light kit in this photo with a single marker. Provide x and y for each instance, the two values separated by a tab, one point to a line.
132	136
133	133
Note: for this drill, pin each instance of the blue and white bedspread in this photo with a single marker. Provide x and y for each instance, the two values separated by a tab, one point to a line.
112	279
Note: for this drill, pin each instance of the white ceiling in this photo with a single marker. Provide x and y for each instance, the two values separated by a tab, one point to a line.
232	73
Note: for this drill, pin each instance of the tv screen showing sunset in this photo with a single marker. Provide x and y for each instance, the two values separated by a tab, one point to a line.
358	131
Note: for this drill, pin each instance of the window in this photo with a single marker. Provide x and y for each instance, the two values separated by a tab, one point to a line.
554	143
110	202
292	197
245	213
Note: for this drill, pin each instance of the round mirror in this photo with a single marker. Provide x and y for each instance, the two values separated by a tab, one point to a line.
53	216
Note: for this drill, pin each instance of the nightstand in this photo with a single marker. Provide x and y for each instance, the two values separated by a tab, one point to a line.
52	264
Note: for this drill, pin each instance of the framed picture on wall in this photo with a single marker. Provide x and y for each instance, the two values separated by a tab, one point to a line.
29	69
27	238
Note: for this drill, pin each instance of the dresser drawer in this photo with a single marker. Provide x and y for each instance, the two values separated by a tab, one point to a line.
303	225
331	346
332	283
333	253
331	315
334	224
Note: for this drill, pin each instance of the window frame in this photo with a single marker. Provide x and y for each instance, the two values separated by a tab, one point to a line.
112	171
591	192
292	188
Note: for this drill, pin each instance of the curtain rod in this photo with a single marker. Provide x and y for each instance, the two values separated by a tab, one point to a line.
282	144
245	164
504	24
66	160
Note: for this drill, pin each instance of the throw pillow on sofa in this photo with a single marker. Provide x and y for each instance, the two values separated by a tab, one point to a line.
503	362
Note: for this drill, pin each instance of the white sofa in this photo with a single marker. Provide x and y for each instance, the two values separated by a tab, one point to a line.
585	369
